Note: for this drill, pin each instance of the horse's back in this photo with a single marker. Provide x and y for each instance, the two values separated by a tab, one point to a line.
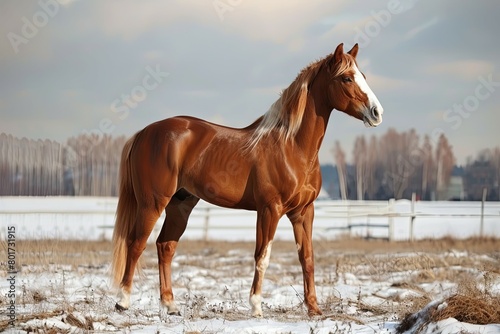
192	153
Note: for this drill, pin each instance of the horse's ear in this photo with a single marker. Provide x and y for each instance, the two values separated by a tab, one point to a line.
354	51
339	51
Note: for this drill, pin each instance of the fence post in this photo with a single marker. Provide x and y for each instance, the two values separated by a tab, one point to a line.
349	218
412	216
481	228
391	219
205	228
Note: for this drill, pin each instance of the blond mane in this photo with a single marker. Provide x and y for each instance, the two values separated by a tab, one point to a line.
285	115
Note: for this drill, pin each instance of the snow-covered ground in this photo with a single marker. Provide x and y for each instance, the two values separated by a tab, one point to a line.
358	292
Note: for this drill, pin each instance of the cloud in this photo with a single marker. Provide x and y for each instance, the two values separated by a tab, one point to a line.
418	29
282	22
20	37
423	60
153	55
201	93
67	3
468	70
274	90
345	30
129	19
383	84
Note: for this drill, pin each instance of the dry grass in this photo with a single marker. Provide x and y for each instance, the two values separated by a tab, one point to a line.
61	252
472	302
96	253
405	265
480	310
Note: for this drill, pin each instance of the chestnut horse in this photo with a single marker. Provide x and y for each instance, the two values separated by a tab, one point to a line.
271	166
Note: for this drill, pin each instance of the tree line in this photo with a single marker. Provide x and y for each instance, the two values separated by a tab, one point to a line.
394	165
401	163
482	173
86	165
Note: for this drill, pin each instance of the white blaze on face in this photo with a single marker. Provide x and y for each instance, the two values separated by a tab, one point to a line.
371	118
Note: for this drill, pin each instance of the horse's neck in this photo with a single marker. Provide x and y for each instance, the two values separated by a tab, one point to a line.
313	127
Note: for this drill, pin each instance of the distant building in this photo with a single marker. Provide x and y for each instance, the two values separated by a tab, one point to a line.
480	175
330	178
455	190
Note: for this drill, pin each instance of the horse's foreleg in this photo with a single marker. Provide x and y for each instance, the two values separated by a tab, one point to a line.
145	221
302	221
177	214
267	221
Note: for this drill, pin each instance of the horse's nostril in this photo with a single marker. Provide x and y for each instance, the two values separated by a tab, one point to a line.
375	113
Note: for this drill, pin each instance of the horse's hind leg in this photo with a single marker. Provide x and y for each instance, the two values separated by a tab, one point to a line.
147	216
177	214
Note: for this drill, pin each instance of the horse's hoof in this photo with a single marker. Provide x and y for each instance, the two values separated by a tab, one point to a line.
177	313
120	308
314	313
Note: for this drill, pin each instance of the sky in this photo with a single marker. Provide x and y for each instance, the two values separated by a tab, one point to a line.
69	67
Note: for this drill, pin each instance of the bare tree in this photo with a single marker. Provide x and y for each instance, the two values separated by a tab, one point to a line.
372	181
496	166
427	167
397	170
340	161
396	165
87	165
445	160
360	161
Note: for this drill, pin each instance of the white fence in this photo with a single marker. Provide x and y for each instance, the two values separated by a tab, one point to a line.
93	218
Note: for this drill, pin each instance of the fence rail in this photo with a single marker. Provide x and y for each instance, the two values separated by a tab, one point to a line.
93	218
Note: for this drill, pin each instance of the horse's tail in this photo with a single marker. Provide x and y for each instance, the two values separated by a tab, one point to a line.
125	215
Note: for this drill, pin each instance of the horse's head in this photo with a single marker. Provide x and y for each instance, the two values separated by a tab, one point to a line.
348	90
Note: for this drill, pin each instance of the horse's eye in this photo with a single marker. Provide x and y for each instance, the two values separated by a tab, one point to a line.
346	79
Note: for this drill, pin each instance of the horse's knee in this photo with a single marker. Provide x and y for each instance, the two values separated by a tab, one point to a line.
166	250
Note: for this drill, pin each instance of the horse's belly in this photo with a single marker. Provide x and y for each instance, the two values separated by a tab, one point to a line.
221	191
